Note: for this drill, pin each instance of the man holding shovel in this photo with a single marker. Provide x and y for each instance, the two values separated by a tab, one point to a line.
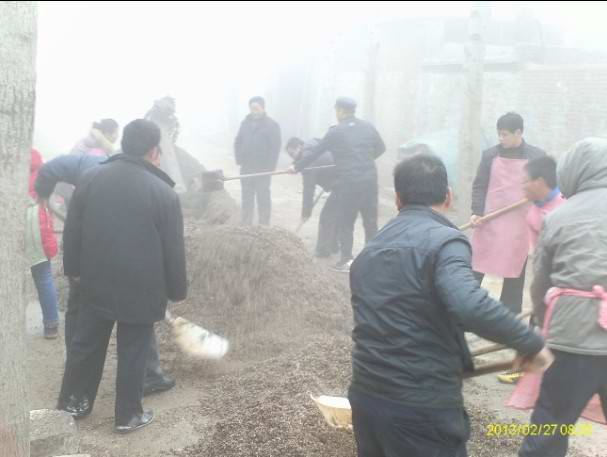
500	247
413	297
327	242
569	299
354	144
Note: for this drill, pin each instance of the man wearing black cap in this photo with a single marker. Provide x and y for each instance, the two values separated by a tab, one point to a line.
355	144
257	147
123	242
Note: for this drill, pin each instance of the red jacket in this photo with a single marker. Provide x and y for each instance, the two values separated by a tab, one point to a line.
47	232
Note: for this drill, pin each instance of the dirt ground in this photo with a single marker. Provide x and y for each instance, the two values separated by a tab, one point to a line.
214	407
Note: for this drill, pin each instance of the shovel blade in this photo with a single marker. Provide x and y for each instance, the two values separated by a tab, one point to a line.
212	180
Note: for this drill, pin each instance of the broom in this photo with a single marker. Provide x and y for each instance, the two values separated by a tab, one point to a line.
195	340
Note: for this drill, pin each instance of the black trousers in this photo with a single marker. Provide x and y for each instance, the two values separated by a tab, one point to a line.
352	199
153	371
86	359
327	242
512	290
386	429
567	386
256	190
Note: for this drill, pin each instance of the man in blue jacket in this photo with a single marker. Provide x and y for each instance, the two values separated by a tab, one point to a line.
327	240
413	296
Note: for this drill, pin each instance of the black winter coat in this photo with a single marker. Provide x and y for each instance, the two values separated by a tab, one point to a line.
354	144
124	238
413	296
257	145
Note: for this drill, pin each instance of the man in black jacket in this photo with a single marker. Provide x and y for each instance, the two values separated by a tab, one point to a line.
502	172
326	243
68	169
500	247
354	144
123	241
413	297
257	147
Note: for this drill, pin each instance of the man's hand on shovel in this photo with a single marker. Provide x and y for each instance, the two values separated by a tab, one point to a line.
538	363
475	221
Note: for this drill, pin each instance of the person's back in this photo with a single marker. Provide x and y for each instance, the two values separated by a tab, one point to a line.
570	302
573	249
355	146
123	244
127	207
324	177
413	296
393	280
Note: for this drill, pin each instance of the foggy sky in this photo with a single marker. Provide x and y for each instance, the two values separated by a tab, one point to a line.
112	59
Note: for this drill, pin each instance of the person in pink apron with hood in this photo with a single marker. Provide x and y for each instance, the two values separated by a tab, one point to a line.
569	298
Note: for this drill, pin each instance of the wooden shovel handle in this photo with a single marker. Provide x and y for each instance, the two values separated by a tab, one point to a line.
56	212
490	368
273	173
496	347
495	214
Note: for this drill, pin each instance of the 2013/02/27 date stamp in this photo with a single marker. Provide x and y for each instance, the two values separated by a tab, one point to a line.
500	430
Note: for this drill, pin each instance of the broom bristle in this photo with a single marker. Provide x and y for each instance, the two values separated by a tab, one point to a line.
197	341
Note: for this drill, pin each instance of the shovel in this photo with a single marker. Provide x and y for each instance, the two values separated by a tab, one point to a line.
301	224
213	180
495	214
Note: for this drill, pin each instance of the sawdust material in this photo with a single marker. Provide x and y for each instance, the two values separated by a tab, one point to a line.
267	412
260	288
289	323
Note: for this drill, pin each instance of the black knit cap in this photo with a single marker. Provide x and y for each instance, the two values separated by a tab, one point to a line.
259	100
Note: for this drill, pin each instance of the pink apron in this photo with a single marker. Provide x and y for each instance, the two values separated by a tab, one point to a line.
528	387
500	246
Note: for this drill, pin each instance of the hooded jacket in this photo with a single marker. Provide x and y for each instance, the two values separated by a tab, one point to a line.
572	251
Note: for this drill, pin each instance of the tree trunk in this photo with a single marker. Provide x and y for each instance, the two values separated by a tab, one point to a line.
17	98
469	148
